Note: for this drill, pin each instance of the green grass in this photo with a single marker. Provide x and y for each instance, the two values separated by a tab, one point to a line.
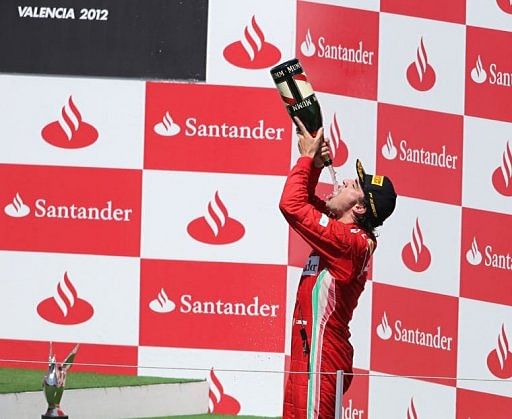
14	380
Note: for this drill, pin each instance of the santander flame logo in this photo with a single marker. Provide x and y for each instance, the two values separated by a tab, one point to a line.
252	51
473	255
219	402
339	150
307	47
420	74
70	131
505	5
383	329
499	360
65	307
478	74
502	176
167	127
162	303
216	227
17	208
415	254
389	150
411	410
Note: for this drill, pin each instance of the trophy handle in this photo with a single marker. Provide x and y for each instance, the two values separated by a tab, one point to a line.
50	354
68	362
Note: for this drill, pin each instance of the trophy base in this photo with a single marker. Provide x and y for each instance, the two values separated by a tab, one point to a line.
53	417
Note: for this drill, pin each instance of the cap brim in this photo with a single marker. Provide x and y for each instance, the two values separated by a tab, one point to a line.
361	174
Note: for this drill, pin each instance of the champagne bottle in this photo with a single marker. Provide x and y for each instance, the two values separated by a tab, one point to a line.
298	95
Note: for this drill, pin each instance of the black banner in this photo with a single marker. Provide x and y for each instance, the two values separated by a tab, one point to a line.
148	39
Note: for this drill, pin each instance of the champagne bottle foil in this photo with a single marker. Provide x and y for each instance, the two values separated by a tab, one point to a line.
292	82
286	70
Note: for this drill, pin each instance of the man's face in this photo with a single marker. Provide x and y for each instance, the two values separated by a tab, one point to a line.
348	194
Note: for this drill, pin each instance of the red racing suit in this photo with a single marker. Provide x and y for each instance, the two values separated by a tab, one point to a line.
330	285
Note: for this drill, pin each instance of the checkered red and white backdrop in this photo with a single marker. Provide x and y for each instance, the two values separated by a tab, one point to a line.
141	218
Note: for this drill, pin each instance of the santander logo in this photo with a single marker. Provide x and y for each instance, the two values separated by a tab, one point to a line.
415	254
216	227
252	51
218	401
491	257
17	208
383	330
167	127
502	176
162	303
65	307
478	74
499	360
473	255
44	209
434	339
411	410
188	305
339	150
505	5
332	50
388	150
307	47
70	131
494	75
440	157
420	74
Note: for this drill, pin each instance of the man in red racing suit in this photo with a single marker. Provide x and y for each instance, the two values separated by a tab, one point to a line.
340	231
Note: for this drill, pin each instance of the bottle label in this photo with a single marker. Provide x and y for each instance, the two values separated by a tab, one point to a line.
286	70
286	93
302	85
308	111
306	103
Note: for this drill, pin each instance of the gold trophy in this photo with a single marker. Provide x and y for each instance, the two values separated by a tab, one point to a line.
54	382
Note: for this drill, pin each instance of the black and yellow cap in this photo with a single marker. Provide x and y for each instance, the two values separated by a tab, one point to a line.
379	192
